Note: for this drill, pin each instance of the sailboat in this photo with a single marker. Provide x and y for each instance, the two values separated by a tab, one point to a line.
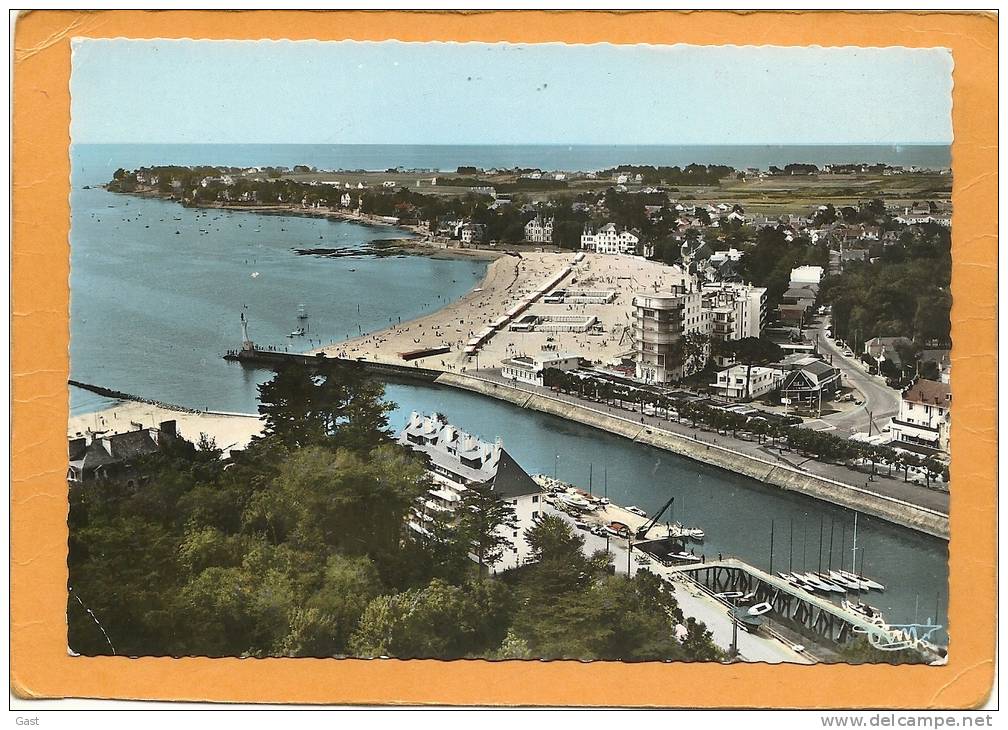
302	328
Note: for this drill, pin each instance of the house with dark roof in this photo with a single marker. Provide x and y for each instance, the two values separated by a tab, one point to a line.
924	419
882	350
103	455
808	380
457	462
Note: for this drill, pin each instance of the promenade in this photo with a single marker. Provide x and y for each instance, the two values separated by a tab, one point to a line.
908	504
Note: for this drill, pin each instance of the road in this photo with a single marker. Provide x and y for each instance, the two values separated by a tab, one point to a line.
894	487
881	401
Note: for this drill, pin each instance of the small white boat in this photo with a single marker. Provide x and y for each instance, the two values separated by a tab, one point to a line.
687	557
729	594
869	612
854	585
299	332
874	585
829	583
760	608
693	533
574	500
636	510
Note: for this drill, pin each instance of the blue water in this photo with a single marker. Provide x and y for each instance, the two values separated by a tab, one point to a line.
551	157
157	291
152	312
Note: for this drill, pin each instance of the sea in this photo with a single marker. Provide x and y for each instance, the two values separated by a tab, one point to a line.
444	158
158	290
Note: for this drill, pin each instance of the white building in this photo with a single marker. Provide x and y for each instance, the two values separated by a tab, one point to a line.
458	461
732	254
924	416
736	310
471	233
608	240
530	368
807	275
539	230
731	383
661	322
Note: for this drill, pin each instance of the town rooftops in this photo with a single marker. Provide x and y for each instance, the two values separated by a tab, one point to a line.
886	348
94	450
929	392
800	292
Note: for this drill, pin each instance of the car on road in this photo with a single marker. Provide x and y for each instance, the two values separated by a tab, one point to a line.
581	524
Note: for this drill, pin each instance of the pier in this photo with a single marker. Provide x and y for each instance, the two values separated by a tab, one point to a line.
272	359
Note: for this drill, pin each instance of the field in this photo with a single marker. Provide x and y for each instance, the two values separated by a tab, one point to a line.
767	195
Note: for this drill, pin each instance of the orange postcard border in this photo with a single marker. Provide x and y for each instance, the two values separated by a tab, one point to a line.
40	665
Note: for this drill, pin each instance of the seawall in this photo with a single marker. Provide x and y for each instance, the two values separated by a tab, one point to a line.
844	495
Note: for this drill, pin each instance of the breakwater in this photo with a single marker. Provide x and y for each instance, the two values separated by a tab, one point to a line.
119	395
779	475
273	359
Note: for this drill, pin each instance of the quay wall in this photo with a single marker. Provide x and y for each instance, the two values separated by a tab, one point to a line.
779	475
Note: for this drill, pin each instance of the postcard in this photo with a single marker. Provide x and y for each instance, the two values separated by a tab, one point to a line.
546	356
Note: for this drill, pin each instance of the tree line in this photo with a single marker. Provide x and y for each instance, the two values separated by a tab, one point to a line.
778	432
299	546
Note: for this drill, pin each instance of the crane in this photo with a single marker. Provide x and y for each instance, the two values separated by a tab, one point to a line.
643	531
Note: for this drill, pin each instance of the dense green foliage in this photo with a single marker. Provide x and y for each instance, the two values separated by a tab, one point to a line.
905	293
297	546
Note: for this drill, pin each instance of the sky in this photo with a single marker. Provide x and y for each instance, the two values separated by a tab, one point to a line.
171	91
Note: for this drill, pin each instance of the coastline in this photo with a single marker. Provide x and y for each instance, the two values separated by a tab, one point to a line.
507	275
230	431
418	243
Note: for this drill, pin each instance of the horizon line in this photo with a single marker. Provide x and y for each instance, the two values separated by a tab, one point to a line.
547	144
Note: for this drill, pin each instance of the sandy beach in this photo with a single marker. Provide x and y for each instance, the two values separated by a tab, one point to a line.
230	431
510	279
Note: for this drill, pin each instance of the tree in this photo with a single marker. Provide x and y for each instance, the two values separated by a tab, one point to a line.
750	351
338	500
323	626
439	620
336	405
486	520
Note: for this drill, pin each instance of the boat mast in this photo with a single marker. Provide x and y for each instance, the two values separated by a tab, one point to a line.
853	559
829	562
821	519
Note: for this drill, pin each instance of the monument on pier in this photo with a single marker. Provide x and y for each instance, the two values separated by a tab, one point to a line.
247	345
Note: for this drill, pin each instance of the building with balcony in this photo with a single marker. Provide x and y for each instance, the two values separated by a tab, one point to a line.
457	462
736	310
657	335
923	421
